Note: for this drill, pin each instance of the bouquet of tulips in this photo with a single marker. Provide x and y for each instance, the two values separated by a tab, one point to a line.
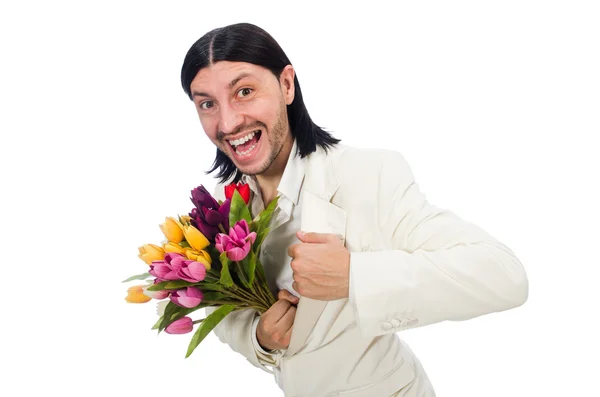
209	258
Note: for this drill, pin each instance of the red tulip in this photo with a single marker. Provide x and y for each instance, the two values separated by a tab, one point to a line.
243	188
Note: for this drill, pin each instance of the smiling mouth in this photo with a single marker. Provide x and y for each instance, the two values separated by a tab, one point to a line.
245	145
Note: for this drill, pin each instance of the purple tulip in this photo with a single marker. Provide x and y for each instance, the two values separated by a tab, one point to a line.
167	269
208	215
187	297
181	326
238	243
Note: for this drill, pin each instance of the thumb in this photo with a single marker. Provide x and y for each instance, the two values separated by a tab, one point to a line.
314	237
311	237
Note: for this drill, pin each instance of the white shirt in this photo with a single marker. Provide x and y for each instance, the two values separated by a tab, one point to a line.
274	251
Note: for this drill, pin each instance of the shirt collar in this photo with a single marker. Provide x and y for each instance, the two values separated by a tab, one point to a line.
291	180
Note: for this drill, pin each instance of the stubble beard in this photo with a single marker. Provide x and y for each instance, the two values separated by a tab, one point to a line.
276	139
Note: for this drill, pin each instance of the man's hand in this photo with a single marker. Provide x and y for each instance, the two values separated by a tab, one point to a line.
275	325
321	266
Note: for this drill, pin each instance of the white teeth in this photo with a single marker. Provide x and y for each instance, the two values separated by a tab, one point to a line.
246	152
246	138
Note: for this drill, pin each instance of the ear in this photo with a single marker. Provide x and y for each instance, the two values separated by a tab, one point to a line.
286	80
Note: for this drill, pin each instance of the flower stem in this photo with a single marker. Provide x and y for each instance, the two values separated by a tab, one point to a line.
222	229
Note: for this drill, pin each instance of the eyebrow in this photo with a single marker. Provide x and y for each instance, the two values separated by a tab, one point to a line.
231	84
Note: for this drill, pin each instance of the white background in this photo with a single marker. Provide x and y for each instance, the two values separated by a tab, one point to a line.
494	104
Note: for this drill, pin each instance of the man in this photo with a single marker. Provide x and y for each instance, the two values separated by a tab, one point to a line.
354	243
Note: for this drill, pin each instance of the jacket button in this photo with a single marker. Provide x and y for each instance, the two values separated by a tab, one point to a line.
386	326
395	323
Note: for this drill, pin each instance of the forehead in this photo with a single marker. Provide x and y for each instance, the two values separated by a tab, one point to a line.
222	74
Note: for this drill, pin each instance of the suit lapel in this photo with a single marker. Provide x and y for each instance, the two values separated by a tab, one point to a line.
318	215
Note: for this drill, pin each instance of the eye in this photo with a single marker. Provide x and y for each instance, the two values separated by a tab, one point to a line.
244	92
206	105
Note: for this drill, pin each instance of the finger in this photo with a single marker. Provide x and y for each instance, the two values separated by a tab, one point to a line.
286	322
278	310
293	250
287	295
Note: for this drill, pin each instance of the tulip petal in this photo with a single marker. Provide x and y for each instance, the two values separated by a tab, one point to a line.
236	254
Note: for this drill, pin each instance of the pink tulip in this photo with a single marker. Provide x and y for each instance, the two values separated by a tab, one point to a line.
167	268
238	243
192	271
181	326
187	297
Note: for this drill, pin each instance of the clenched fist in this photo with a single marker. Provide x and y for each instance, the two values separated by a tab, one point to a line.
274	328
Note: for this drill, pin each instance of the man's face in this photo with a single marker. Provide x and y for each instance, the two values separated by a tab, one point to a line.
242	108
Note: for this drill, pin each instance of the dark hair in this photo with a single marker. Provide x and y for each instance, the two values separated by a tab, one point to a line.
244	42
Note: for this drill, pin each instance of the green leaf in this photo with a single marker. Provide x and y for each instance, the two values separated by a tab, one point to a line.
208	325
158	287
174	312
177	284
251	267
260	238
238	210
226	279
263	219
211	287
157	324
142	276
213	296
242	273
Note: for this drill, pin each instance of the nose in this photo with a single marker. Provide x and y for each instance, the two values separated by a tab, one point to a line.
230	119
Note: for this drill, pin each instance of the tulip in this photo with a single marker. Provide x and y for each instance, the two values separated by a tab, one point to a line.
243	188
174	247
238	243
188	297
135	294
162	294
167	268
181	326
192	271
150	253
172	230
195	238
208	214
199	256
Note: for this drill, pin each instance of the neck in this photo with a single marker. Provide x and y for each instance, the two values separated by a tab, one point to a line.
269	180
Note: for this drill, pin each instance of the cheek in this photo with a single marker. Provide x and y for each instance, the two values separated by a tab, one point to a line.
209	127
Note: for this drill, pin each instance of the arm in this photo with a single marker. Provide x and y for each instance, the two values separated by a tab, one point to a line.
238	328
436	266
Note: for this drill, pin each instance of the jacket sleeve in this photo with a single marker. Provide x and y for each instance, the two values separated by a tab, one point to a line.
435	266
238	328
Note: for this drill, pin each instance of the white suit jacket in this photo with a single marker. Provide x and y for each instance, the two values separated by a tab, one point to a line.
411	265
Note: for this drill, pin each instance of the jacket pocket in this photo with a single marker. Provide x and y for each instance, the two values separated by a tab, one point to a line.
407	376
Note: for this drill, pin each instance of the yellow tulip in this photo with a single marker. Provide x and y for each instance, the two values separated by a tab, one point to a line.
173	247
135	294
199	256
195	238
172	229
151	252
186	220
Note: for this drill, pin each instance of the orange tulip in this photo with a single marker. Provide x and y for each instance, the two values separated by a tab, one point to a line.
135	294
